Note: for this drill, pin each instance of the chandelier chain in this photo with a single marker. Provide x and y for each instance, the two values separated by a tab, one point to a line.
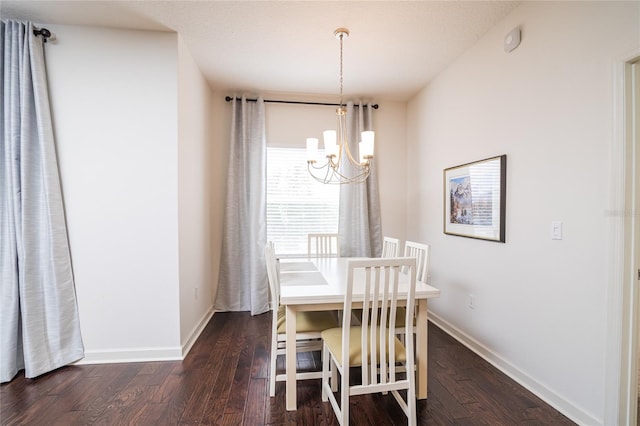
341	78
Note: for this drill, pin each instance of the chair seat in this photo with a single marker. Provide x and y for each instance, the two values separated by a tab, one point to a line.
307	322
333	339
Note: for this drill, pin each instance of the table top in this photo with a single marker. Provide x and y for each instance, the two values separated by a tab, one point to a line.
323	280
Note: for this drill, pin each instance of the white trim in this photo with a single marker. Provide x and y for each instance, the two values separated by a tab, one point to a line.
616	254
629	377
620	344
543	392
130	355
634	255
195	333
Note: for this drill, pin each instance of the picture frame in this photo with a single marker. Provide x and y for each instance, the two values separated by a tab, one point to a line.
475	199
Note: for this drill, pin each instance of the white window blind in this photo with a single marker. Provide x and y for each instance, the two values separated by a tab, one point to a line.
485	192
297	205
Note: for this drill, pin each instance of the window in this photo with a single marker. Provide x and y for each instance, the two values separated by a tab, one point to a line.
297	204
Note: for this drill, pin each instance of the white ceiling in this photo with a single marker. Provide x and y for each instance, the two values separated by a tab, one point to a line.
288	47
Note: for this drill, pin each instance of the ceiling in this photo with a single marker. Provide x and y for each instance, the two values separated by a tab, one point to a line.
288	47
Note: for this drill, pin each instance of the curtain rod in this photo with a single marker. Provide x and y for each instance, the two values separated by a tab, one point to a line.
45	33
274	101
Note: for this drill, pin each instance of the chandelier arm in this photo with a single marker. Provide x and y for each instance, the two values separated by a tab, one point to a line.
342	123
354	179
327	175
333	176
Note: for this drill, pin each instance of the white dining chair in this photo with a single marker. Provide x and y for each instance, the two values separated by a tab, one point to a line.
323	245
390	247
372	344
308	326
421	253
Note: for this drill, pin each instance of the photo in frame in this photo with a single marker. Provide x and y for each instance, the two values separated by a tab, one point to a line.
474	199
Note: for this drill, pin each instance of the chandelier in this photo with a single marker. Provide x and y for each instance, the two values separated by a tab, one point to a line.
340	165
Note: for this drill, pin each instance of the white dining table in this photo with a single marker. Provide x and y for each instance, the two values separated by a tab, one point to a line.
319	284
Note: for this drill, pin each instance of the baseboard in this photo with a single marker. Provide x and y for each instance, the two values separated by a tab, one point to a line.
197	330
131	355
555	400
147	354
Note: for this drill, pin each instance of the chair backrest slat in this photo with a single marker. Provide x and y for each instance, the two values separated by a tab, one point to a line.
421	252
323	245
390	247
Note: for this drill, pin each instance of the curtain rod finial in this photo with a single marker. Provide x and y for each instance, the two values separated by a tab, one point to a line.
45	33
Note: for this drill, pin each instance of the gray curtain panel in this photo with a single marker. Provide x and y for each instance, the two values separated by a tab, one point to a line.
39	324
359	223
243	284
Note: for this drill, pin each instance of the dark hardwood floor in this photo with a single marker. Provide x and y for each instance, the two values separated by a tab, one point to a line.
224	381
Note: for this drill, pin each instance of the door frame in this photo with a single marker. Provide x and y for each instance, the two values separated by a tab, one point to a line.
623	302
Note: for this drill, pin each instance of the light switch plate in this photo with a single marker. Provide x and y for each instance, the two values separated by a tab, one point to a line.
556	230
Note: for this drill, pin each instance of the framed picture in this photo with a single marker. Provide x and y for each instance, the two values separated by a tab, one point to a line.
474	199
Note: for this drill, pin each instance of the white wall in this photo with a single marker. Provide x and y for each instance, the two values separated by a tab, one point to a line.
194	187
114	97
540	308
391	139
220	117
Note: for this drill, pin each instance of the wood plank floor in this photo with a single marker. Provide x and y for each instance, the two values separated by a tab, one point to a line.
224	381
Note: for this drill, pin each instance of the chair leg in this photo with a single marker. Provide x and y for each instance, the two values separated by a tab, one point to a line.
411	407
411	396
334	376
332	370
344	399
272	370
272	380
325	373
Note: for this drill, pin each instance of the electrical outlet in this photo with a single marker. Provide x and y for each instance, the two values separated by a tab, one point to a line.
196	293
472	302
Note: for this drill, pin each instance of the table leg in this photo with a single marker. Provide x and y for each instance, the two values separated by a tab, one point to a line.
291	358
422	327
